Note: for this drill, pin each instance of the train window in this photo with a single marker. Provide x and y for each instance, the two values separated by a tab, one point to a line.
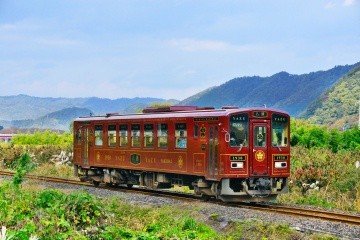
180	135
239	130
260	136
148	135
196	131
78	136
135	135
279	130
98	135
162	135
123	135
112	135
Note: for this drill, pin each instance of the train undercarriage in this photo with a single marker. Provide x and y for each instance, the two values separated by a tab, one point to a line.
260	189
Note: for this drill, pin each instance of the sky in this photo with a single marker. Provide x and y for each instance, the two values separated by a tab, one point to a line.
168	49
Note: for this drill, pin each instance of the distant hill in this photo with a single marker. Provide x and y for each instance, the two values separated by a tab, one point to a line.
339	105
289	92
24	111
22	107
59	120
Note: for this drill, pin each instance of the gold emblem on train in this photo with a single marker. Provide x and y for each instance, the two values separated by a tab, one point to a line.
98	157
180	162
202	131
260	156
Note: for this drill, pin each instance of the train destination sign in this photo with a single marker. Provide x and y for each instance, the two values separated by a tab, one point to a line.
260	114
239	118
206	119
279	118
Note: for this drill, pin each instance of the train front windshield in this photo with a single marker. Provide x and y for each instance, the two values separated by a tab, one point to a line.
279	130
239	130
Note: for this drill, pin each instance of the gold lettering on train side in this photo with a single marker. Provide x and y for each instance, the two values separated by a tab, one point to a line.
120	158
165	160
199	162
150	160
107	157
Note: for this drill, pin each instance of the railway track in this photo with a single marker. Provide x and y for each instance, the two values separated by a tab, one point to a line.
275	208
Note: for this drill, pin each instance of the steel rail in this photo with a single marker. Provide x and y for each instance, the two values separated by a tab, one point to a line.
305	212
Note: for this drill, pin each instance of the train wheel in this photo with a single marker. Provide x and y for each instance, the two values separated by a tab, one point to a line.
96	183
149	180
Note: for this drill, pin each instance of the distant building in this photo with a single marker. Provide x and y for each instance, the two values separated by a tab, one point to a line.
6	137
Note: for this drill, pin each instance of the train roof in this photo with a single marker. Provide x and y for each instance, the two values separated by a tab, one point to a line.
178	111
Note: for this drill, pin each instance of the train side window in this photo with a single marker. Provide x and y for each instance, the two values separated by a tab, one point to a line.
135	135
180	135
98	135
196	131
148	135
112	135
162	135
78	136
123	135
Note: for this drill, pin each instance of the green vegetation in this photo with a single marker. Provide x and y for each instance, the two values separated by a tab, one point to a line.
323	167
323	178
53	214
43	148
315	136
44	138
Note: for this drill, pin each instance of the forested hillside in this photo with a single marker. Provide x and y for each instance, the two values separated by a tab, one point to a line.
289	92
338	106
59	120
23	107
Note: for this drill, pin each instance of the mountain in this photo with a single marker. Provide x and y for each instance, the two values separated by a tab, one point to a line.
59	120
22	107
289	92
339	105
24	111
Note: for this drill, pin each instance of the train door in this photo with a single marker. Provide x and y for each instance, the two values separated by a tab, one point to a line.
213	151
86	145
259	145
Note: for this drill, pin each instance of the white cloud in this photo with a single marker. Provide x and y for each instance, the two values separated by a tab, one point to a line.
192	45
330	5
349	2
19	26
346	3
57	42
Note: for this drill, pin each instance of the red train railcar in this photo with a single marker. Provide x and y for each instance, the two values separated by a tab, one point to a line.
234	154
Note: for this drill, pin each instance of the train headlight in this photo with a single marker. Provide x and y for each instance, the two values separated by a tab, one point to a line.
280	164
237	165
